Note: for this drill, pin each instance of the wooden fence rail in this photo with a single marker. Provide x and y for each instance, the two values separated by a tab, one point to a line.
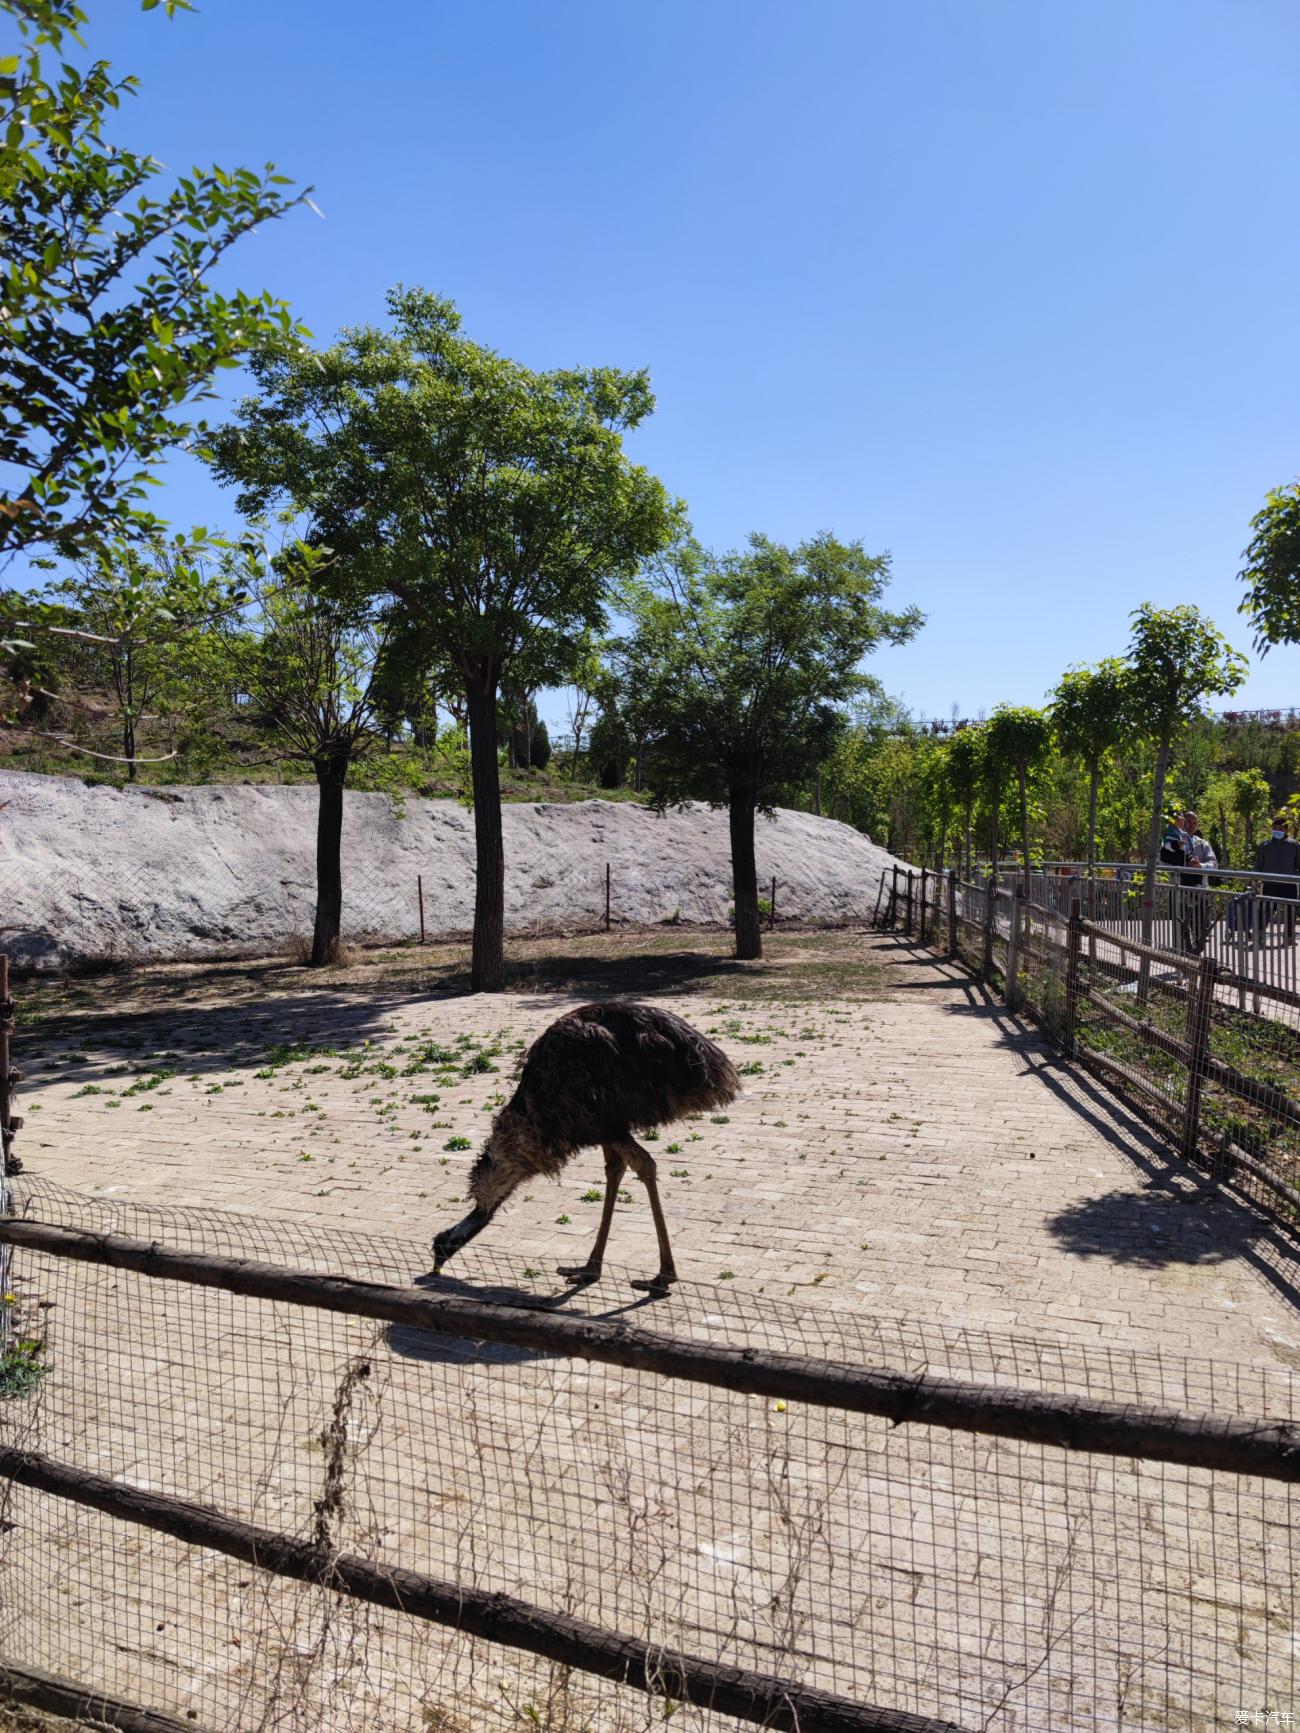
497	1617
1270	1449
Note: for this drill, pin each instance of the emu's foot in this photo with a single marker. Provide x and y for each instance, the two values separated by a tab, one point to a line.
579	1274
658	1285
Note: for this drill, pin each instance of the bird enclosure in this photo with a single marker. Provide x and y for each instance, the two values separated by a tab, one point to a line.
279	1482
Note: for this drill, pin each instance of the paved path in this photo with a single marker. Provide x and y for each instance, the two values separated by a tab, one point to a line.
921	1156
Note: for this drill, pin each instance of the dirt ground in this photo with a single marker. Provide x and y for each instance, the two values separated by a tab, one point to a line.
901	1144
909	1177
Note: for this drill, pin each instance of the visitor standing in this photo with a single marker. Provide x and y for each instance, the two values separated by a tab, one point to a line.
1280	853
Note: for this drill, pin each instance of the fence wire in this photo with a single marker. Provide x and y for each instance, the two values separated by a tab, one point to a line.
987	1582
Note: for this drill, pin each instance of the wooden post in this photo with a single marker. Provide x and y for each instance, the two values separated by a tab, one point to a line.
909	902
607	896
419	891
924	888
771	917
1073	951
1012	994
1200	1015
952	913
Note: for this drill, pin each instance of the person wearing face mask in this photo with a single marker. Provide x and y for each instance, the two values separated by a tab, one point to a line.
1280	853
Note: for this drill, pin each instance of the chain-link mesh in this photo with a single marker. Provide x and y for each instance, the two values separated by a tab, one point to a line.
985	1581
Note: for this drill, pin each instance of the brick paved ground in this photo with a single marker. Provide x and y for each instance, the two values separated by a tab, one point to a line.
920	1155
916	1155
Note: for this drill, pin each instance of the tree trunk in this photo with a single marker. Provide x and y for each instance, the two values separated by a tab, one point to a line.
1024	825
1153	860
1094	777
331	775
744	873
640	744
488	963
128	745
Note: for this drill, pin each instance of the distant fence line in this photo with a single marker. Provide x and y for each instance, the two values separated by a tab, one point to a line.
1201	1025
274	915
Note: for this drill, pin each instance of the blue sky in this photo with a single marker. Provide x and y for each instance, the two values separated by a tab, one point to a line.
1007	288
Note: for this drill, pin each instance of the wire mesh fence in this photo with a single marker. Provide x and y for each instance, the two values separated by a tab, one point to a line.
73	915
1199	1033
928	1570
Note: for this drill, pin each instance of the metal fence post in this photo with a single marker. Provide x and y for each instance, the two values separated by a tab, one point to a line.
771	916
909	902
419	891
1200	1015
924	889
893	900
606	896
990	915
952	913
1073	952
1012	994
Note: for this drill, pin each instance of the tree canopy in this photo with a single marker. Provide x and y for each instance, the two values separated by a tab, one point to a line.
492	505
1272	570
756	653
112	327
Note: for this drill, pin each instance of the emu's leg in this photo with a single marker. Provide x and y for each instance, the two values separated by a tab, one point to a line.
642	1164
615	1168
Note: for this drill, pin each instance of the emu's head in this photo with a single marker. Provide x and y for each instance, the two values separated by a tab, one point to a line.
496	1173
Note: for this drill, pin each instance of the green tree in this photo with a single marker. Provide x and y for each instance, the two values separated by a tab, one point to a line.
1176	660
964	765
308	664
111	325
137	615
1020	737
1089	718
1272	570
1250	796
493	506
757	652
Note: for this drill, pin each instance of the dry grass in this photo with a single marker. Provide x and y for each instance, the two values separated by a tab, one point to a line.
32	1721
798	966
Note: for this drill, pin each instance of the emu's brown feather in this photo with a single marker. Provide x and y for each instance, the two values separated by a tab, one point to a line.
597	1075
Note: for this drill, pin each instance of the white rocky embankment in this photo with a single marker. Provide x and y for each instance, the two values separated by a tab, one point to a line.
96	872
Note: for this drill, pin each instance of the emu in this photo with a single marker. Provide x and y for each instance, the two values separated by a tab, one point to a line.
598	1074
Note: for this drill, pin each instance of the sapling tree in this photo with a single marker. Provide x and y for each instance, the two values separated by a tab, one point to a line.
1020	737
308	659
1089	712
489	506
964	768
1176	660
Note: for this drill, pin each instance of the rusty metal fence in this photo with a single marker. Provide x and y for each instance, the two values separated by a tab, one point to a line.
1211	1053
